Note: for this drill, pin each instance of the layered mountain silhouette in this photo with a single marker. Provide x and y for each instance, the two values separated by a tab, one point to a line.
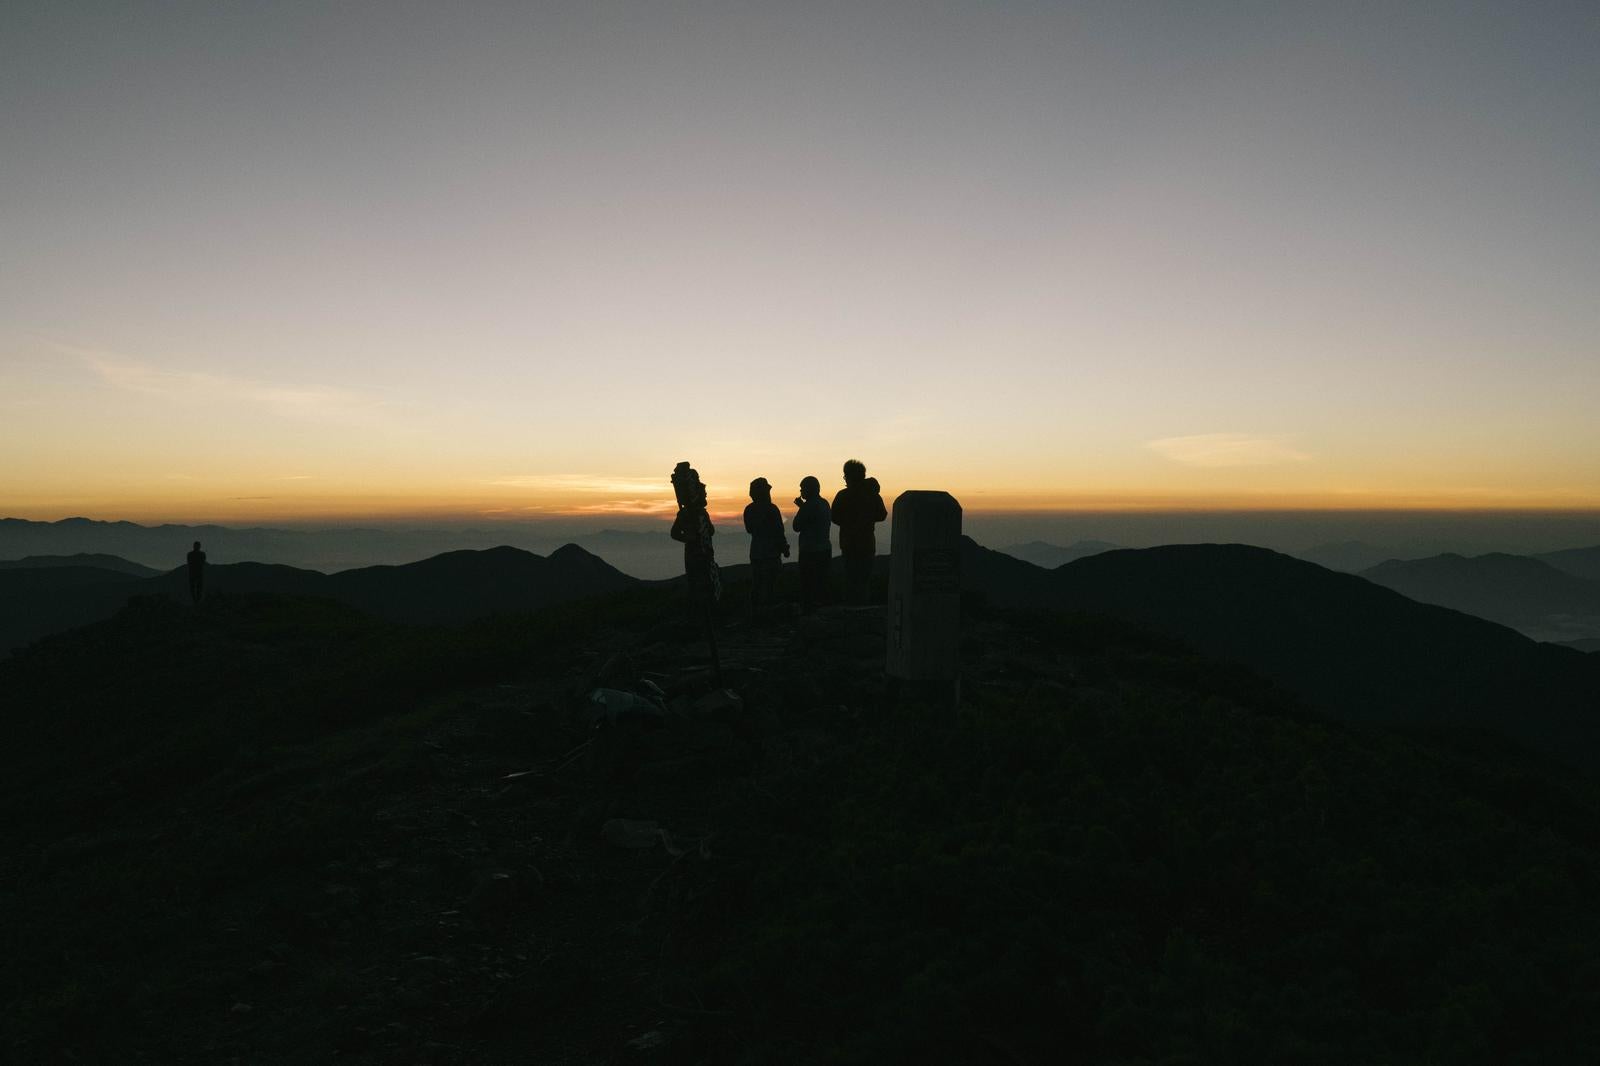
1041	553
1350	556
1580	562
647	554
1344	645
162	546
456	586
87	560
1528	594
448	588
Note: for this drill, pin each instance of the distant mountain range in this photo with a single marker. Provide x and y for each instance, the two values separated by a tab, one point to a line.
82	559
1528	594
638	552
1051	556
1345	645
449	588
1580	562
1349	556
1356	556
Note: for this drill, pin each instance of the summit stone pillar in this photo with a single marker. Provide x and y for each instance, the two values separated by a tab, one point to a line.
924	610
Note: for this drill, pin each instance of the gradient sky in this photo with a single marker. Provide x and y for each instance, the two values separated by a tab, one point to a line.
273	260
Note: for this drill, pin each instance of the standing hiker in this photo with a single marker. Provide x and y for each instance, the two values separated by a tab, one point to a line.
856	509
813	523
693	528
769	545
197	573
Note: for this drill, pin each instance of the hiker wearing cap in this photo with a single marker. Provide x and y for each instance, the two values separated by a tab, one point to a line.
768	543
812	522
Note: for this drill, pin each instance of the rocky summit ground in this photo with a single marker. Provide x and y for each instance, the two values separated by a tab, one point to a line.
278	831
482	873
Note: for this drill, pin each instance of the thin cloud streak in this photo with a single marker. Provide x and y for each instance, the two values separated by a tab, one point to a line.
310	403
627	495
584	483
622	507
1217	450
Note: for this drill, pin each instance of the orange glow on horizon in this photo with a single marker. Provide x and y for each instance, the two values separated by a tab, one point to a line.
356	508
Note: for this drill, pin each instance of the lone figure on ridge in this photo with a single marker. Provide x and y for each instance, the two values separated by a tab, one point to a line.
197	573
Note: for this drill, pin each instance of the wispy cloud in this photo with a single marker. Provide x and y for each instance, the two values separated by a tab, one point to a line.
599	484
639	507
1226	449
622	494
300	402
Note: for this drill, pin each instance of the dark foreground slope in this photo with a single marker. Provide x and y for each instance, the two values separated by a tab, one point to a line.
275	831
445	589
1345	645
47	599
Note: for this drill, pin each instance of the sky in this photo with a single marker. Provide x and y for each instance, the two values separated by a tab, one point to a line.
278	261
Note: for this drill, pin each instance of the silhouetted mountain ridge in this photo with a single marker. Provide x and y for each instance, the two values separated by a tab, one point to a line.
1350	556
1345	645
1579	562
333	549
459	585
1050	556
1530	595
97	560
448	588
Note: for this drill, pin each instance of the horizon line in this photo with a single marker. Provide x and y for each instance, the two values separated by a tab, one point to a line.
604	520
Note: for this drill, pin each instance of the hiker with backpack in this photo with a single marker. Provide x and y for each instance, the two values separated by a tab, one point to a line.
857	508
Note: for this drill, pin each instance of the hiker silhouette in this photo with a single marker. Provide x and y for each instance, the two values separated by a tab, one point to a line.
693	528
813	522
197	573
769	545
856	509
